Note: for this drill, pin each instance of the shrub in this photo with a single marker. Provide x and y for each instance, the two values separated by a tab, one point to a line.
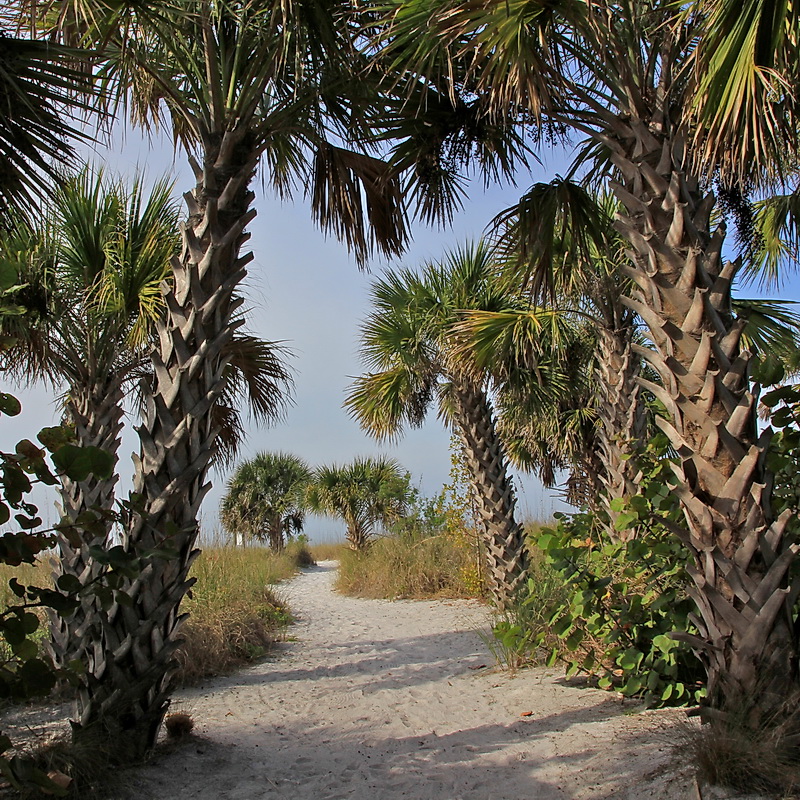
610	608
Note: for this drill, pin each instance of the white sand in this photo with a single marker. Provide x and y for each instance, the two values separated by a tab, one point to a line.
379	700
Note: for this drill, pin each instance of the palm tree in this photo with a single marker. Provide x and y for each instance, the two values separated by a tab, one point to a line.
265	498
92	275
622	74
244	83
563	236
410	341
364	493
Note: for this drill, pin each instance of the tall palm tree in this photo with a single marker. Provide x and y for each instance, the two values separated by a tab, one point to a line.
265	498
91	277
366	493
410	341
562	234
244	83
622	73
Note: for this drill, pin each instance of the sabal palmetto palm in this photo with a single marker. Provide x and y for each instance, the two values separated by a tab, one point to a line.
623	74
265	498
245	83
91	275
366	493
564	236
409	344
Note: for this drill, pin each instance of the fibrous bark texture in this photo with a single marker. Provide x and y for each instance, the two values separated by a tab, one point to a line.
740	574
621	415
128	685
96	414
503	536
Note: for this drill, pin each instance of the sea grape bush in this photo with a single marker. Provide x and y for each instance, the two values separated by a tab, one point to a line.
24	672
620	599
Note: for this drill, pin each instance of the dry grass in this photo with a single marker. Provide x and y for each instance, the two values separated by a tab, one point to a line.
235	615
329	551
729	753
410	567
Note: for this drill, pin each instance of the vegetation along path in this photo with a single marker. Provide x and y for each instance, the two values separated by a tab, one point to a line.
379	699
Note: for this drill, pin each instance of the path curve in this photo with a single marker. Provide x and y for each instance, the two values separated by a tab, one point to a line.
382	700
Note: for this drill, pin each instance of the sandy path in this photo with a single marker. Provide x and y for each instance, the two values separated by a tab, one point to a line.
379	700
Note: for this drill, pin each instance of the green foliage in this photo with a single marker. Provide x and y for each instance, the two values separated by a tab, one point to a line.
24	672
783	457
618	601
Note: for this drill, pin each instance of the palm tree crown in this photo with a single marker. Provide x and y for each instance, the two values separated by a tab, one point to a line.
265	498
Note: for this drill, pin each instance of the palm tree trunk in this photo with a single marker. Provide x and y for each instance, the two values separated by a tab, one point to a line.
503	536
129	683
96	414
622	418
742	558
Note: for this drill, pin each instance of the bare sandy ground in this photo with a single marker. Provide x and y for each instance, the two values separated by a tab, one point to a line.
380	700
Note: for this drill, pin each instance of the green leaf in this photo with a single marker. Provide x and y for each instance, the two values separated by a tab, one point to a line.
25	650
55	437
572	669
69	584
8	275
617	504
574	639
9	405
77	463
625	520
30	623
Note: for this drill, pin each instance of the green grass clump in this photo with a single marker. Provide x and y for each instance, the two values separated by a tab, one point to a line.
410	567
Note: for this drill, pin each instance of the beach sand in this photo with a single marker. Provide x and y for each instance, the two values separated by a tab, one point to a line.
382	700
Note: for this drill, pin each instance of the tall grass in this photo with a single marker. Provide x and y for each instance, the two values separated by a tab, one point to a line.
235	613
411	567
329	551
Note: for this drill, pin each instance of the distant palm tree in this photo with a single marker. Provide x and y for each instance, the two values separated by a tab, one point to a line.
265	498
411	345
366	493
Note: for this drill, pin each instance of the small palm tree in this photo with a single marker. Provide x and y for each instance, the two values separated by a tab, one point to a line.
265	498
367	493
